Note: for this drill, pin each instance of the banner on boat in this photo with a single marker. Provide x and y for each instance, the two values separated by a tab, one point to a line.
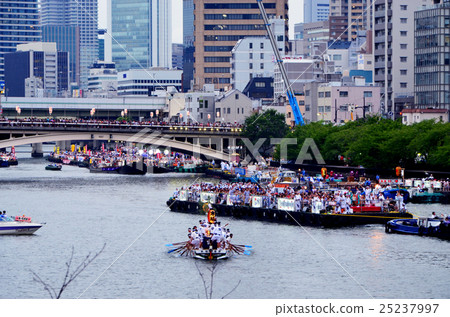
286	204
183	195
257	202
208	197
408	182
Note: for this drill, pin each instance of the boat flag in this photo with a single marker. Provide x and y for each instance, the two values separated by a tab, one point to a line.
103	147
72	148
85	149
13	150
57	150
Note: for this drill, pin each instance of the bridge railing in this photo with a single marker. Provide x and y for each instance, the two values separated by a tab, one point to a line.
103	126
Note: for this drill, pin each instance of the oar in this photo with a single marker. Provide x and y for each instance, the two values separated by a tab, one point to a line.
247	252
174	244
176	249
244	246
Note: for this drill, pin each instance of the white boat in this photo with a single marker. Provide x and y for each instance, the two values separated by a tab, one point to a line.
210	254
18	225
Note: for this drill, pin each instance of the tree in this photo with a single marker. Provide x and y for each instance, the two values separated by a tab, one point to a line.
70	276
269	124
209	289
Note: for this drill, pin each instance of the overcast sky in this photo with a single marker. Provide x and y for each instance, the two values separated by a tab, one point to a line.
295	15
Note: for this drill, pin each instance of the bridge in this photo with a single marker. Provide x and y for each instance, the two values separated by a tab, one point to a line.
210	142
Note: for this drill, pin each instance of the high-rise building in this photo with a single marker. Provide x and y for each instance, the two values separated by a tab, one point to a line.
432	57
19	23
357	12
315	10
217	27
393	44
142	33
36	67
81	13
67	39
177	56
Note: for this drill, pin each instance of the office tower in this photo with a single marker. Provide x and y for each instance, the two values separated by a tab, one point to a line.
36	67
177	56
357	12
74	13
216	29
393	44
315	10
141	33
19	24
432	57
67	39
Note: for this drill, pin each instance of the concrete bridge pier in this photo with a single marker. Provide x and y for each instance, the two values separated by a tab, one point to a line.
36	150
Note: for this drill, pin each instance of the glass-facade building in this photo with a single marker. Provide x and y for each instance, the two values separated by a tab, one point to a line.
142	33
84	15
67	39
432	57
315	10
19	23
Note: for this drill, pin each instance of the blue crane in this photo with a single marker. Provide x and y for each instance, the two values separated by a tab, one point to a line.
292	100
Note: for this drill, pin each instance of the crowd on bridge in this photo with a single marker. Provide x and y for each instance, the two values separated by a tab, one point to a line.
91	121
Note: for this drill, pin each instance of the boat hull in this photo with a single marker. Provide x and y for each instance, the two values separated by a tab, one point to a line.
18	228
211	254
293	218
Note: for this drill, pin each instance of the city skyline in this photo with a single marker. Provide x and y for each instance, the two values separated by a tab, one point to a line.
177	15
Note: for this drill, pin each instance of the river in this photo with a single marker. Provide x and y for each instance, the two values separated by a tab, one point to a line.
84	211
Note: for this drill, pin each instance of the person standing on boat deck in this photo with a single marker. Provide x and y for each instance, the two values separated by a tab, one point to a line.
398	200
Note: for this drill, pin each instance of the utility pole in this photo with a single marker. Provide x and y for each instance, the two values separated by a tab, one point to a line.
364	106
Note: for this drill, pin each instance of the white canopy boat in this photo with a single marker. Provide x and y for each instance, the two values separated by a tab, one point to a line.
17	225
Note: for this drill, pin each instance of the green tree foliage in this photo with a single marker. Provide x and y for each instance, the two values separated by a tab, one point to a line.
269	124
379	143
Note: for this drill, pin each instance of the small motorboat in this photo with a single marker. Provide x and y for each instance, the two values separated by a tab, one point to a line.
420	226
53	167
18	225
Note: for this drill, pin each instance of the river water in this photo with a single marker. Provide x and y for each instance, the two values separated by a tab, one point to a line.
84	211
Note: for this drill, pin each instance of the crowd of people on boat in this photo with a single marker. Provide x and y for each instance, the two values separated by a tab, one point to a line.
208	234
311	198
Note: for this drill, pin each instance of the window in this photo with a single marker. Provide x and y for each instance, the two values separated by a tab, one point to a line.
343	94
327	94
228	110
403	7
337	57
260	84
250	55
403	33
307	108
236	97
306	92
403	46
403	72
261	56
261	66
368	94
237	109
250	45
321	94
250	66
403	59
403	85
403	20
327	108
279	38
261	45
